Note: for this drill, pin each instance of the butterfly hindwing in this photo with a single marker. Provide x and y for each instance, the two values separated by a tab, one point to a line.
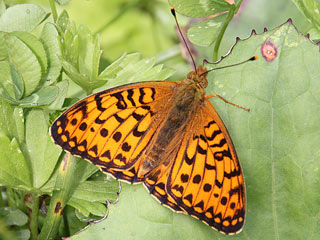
206	180
113	127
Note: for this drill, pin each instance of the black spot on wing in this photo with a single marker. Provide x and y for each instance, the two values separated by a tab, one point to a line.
196	179
83	126
188	198
117	136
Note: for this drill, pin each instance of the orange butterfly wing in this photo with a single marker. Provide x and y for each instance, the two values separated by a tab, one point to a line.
112	128
205	178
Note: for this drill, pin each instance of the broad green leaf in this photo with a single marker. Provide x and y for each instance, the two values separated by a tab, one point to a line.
199	8
98	191
23	234
42	151
63	21
14	170
7	87
49	39
35	46
131	68
25	62
11	121
17	82
45	96
85	208
80	57
18	121
13	216
205	33
277	143
22	17
91	196
89	53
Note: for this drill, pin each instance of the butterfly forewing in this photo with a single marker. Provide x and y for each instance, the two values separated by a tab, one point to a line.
113	127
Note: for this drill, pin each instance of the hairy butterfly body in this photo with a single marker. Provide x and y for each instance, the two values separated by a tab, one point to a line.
166	135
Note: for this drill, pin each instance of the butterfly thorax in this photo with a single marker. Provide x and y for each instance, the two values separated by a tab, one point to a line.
188	98
199	76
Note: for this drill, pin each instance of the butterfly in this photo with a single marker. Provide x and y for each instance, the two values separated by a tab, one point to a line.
166	135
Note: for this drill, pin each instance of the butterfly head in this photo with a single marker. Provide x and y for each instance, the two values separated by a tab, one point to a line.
199	76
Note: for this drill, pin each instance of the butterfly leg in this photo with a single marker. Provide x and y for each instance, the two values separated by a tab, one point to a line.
226	101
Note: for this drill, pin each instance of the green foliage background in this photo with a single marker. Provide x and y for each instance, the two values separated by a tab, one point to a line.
49	61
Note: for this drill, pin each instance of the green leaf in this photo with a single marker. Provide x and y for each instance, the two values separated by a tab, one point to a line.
91	196
199	8
277	143
17	82
81	56
49	39
204	33
42	151
45	96
22	17
97	191
25	61
14	171
63	22
131	68
13	216
85	208
23	234
35	46
10	81
11	121
89	53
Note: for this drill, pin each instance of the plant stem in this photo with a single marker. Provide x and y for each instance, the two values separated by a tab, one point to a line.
233	10
68	178
34	216
53	10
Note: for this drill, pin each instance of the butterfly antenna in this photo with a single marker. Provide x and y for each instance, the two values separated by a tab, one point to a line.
232	65
173	12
